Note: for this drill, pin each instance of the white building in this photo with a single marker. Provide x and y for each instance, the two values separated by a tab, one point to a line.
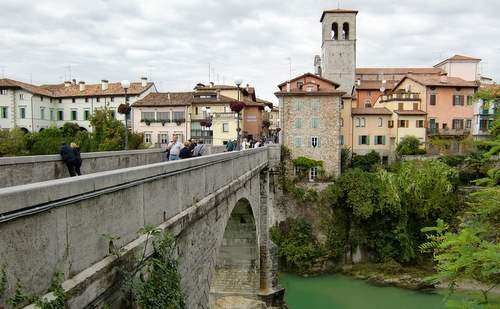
34	108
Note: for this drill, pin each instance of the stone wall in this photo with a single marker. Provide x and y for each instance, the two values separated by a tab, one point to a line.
57	225
16	171
328	130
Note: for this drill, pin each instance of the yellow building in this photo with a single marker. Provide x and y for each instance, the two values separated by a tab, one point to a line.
212	102
371	131
211	118
408	116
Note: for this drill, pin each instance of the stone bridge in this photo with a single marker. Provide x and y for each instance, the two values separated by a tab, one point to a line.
219	208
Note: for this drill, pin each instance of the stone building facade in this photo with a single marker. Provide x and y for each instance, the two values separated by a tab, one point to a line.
310	120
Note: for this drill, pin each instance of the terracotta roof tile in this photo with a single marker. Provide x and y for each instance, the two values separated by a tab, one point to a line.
310	75
390	71
371	111
61	91
434	80
375	84
96	90
165	99
410	112
5	82
461	57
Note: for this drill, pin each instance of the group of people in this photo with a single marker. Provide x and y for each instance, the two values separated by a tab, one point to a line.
176	150
248	144
72	158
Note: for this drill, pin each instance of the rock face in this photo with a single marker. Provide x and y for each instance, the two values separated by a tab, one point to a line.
235	302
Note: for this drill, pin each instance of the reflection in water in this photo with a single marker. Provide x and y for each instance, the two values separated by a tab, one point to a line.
342	292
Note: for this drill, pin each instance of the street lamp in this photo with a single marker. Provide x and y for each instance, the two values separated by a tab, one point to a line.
238	81
125	86
267	122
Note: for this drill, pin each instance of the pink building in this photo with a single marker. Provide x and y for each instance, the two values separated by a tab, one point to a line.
159	116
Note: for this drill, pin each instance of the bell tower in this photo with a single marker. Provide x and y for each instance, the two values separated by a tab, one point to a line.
338	51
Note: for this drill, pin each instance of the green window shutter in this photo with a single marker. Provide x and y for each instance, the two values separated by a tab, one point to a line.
359	140
383	139
368	139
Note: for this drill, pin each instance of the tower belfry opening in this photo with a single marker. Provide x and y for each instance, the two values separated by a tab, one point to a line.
338	52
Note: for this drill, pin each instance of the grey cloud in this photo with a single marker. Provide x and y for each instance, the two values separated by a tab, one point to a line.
177	39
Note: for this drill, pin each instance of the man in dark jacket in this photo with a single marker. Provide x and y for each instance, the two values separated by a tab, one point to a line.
68	156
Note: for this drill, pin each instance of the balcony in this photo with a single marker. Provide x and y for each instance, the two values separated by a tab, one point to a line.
448	132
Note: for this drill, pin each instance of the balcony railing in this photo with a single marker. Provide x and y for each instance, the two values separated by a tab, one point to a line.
448	132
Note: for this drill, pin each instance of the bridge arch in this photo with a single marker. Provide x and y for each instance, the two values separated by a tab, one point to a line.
237	264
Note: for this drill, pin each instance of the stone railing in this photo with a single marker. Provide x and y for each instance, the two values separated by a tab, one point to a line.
16	171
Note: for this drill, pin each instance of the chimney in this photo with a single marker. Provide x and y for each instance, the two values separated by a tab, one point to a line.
144	81
248	87
104	84
212	84
82	85
218	94
67	83
73	81
443	79
288	87
358	82
168	96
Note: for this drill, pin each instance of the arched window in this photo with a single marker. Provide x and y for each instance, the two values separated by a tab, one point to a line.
341	122
335	32
380	121
345	31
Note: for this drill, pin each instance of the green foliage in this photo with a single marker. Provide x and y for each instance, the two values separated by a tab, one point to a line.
409	145
13	143
298	248
108	135
473	251
452	160
368	162
345	159
493	178
154	281
383	212
58	301
19	297
159	285
306	163
3	280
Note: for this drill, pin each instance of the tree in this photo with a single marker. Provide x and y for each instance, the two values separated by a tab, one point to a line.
13	143
473	251
108	132
298	247
366	162
409	145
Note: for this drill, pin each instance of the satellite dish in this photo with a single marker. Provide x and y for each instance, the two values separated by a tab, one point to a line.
382	89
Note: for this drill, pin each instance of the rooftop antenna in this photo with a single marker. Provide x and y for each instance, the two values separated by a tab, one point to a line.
31	78
290	64
3	71
150	72
209	73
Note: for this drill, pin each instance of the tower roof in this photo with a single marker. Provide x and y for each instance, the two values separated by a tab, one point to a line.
337	11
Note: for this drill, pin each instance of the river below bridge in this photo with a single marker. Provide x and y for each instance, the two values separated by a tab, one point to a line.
342	292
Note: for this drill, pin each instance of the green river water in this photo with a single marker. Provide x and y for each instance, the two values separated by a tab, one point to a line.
342	292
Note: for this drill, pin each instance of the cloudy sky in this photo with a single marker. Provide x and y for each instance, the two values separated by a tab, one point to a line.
175	41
